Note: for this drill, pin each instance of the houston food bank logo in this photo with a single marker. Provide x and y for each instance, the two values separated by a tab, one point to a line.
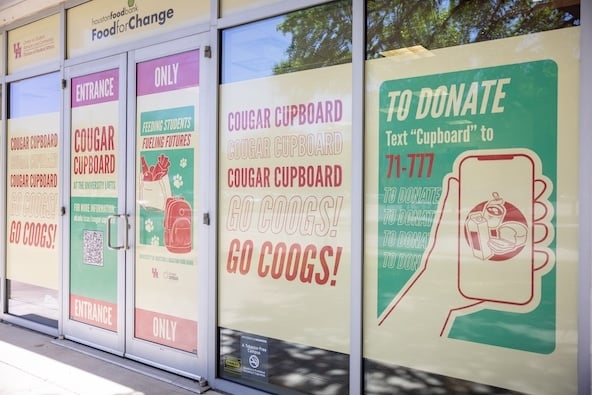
127	19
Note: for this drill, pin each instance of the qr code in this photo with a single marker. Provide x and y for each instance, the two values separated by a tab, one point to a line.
93	247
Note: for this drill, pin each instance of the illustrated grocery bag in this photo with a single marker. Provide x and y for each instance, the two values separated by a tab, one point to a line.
155	186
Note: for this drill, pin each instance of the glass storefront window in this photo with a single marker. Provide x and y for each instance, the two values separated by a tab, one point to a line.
32	187
396	27
470	268
167	194
284	187
233	7
308	39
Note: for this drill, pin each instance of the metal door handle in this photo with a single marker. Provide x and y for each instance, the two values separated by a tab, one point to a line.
126	242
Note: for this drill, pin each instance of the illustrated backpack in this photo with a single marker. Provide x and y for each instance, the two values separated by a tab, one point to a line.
177	225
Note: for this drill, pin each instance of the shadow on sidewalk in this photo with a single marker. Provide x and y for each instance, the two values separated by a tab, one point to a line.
35	363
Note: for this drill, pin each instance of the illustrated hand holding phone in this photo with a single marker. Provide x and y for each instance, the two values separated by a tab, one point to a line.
488	245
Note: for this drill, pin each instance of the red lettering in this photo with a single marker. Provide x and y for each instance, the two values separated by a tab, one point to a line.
323	276
295	262
37	234
239	257
307	270
97	138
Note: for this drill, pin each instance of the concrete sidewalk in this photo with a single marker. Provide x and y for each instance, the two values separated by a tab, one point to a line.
36	364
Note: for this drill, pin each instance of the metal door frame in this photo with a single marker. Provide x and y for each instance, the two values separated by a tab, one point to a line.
170	359
113	342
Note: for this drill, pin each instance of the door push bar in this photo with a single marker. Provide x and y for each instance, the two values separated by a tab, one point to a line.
126	243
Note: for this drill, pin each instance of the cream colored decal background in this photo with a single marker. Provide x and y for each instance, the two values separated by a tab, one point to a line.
413	333
284	202
103	24
32	200
232	7
94	153
160	296
34	44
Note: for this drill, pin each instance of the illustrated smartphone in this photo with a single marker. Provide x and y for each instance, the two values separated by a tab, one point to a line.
495	228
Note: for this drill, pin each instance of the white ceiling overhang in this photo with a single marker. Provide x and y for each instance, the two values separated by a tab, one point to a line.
13	10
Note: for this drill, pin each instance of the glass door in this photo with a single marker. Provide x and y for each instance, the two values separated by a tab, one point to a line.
99	222
165	284
137	206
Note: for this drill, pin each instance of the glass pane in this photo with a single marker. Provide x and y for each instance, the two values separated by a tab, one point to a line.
33	133
285	230
307	39
412	25
32	302
470	272
38	95
94	186
167	167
